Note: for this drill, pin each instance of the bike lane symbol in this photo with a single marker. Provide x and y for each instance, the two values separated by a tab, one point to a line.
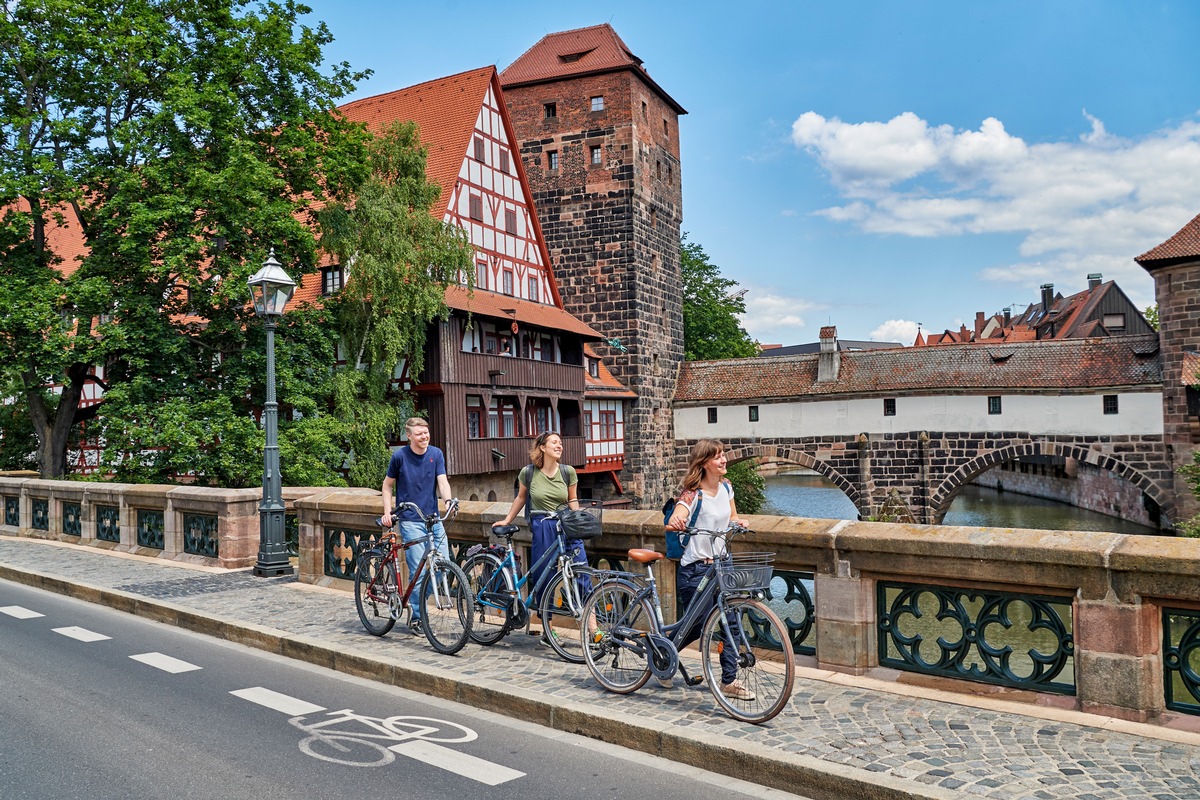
345	737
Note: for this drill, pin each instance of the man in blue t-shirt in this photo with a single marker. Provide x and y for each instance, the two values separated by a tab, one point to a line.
416	474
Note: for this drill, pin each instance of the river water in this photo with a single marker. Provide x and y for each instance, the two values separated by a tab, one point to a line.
808	495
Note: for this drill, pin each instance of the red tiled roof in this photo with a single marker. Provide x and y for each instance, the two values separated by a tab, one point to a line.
445	111
1184	244
572	54
1051	365
504	307
66	240
606	386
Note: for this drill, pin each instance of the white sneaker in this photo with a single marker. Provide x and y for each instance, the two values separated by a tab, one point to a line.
737	691
666	683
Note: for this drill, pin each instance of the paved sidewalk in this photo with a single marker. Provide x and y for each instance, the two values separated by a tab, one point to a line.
840	737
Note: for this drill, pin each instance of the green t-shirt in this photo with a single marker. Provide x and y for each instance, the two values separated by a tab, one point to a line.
548	493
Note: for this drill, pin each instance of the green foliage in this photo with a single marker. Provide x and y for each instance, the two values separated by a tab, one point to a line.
1191	473
402	260
1151	315
749	488
179	141
711	305
18	445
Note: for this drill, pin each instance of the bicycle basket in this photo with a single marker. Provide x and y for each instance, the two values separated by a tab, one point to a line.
745	572
582	522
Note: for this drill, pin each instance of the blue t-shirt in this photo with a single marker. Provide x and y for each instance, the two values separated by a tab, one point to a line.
416	479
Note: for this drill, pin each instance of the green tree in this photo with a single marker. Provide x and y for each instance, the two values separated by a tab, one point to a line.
177	142
403	259
749	488
711	305
1151	315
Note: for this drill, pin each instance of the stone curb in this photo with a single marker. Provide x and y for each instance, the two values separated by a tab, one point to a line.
791	772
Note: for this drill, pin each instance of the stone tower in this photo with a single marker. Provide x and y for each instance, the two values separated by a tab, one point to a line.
1175	267
600	144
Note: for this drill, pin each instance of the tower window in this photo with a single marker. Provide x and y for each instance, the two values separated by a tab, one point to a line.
552	159
598	103
551	110
644	114
666	130
596	155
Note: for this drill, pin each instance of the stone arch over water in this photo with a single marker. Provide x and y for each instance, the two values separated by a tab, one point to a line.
943	494
799	457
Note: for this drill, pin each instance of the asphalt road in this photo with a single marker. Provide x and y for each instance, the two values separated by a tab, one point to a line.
98	704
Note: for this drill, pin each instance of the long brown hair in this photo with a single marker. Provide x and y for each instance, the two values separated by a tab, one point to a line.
535	453
702	451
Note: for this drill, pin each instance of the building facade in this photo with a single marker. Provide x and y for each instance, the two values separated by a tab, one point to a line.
599	140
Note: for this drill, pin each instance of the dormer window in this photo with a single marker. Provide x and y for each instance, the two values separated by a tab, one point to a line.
593	368
331	280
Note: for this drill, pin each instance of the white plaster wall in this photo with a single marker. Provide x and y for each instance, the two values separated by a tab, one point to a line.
1139	413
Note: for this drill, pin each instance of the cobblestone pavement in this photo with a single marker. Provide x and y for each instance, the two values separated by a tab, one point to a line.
864	741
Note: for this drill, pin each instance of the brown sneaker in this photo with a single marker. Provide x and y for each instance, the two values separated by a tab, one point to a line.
737	691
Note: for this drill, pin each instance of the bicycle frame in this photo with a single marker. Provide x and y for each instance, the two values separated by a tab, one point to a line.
397	545
520	581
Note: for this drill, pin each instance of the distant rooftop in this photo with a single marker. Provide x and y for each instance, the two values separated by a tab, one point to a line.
844	345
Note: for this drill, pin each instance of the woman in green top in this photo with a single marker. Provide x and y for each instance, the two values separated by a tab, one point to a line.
547	483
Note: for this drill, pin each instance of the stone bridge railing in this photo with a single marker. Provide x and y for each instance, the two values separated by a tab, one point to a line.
1106	623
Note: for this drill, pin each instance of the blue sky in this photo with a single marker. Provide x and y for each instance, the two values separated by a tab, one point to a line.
879	164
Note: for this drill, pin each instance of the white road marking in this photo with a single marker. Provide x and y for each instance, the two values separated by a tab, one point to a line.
468	766
19	612
82	634
165	663
278	702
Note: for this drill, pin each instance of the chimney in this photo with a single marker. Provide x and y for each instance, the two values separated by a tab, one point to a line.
1047	297
1008	316
1094	280
829	361
979	318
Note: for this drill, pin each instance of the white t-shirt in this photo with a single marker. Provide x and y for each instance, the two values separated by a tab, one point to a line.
715	512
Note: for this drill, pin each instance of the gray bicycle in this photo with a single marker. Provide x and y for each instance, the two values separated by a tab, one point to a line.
626	640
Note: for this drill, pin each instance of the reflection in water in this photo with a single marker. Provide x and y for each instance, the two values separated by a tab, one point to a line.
805	495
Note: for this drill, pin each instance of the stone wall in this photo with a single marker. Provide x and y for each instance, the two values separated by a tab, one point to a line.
613	231
1114	586
1082	486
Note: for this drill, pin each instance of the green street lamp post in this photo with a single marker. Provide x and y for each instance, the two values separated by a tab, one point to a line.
272	288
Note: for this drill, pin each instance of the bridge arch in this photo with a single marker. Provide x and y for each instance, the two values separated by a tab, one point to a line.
801	458
943	494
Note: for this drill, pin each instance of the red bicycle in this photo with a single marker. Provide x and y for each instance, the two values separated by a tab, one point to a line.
443	594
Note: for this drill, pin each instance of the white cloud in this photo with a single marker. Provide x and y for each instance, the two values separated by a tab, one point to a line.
776	319
896	330
1089	205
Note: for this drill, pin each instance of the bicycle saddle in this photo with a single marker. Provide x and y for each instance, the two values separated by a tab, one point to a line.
505	531
645	556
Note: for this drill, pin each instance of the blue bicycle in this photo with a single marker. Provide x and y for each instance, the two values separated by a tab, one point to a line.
504	601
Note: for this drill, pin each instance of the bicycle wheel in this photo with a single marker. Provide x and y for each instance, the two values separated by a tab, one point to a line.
346	749
374	577
446	606
491	587
561	608
762	651
620	665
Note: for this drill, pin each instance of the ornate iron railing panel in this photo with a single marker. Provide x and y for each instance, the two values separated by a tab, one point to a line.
791	597
72	519
1181	659
291	535
200	535
108	523
12	511
342	546
150	528
1019	640
39	510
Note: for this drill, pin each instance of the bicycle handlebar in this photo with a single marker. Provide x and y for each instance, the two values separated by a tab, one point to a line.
451	510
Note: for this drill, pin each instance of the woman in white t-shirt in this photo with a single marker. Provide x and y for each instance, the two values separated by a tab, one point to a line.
705	483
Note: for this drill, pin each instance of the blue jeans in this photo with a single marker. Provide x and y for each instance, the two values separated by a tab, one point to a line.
687	580
414	532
